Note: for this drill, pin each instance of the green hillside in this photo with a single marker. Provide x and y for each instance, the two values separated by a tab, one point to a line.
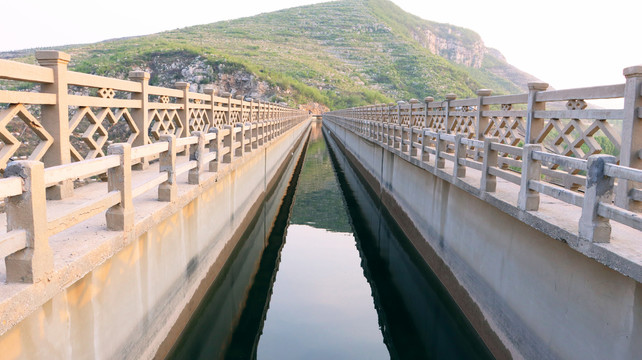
340	54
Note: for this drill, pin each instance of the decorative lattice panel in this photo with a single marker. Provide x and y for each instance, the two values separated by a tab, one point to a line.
90	130
437	120
235	116
577	137
219	118
508	129
199	120
10	143
405	116
464	122
165	122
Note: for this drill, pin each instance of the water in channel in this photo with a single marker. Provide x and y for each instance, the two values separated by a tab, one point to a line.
335	279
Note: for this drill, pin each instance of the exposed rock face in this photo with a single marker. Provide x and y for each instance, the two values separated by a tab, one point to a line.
314	108
465	47
452	47
167	70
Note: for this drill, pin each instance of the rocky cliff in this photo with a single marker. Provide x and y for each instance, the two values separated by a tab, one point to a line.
453	46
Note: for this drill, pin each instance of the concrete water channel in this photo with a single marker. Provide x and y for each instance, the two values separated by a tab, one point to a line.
332	278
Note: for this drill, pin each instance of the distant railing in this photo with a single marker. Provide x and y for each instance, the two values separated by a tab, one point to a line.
156	123
557	152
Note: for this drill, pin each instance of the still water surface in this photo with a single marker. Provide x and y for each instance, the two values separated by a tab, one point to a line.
335	279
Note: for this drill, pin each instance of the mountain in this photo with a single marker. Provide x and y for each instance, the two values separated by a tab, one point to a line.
336	54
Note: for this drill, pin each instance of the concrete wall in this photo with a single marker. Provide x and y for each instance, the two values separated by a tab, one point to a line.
127	306
527	294
225	299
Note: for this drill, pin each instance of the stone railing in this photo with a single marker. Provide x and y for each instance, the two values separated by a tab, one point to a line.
155	124
517	138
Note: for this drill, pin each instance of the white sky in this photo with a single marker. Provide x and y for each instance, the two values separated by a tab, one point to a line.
567	43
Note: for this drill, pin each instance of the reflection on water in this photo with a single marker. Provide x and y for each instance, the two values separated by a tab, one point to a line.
338	280
321	307
319	201
420	319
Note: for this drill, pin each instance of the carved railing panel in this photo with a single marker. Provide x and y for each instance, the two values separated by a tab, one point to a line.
464	121
21	135
199	120
219	118
563	122
507	126
165	122
93	129
437	119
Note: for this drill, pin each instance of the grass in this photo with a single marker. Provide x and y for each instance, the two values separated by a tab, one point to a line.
340	54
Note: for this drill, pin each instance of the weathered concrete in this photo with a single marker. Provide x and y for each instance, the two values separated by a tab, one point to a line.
112	295
539	297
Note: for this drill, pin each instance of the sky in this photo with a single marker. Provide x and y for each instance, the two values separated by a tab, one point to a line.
567	43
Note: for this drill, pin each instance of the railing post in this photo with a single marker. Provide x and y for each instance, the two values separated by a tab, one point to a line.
269	111
167	163
481	121
599	188
534	126
272	129
55	119
248	137
216	145
631	149
228	140
279	122
259	112
488	181
373	127
528	200
210	112
239	137
425	155
427	100
393	135
254	126
120	217
459	170
28	212
260	132
440	147
411	115
242	108
185	112
228	113
196	153
141	115
389	140
449	119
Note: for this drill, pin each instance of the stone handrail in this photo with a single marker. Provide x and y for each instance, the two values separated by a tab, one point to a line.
431	150
211	130
604	189
560	121
98	104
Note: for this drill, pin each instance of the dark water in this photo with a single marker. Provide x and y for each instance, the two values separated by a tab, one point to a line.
336	279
